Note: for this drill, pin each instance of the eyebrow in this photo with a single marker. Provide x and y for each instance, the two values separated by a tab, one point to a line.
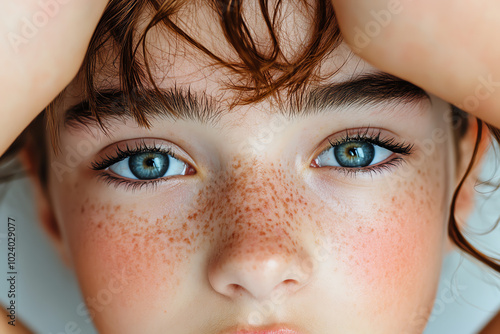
367	89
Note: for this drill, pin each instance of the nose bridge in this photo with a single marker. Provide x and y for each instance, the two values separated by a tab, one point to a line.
259	209
260	244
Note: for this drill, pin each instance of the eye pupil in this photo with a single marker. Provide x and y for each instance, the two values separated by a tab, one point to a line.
354	154
149	165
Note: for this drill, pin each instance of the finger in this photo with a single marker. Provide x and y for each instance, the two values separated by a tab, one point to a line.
446	47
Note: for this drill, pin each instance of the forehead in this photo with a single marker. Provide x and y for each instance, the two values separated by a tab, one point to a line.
176	62
355	84
178	66
193	71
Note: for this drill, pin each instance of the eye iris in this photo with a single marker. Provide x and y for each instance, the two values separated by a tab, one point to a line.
148	165
354	154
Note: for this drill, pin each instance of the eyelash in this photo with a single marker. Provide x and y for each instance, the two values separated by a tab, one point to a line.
388	143
361	135
121	154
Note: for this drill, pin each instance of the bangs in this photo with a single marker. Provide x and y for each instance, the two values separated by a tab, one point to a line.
259	73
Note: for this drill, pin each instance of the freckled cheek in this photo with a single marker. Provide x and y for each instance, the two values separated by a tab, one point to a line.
394	257
393	270
408	231
389	243
393	250
145	256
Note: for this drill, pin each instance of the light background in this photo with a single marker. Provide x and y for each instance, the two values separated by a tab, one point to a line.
49	300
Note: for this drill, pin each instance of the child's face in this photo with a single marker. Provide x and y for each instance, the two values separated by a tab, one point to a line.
257	220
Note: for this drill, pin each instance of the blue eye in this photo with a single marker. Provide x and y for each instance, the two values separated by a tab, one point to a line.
141	165
353	154
148	166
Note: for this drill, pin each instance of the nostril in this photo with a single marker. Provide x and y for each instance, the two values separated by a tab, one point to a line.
258	278
290	285
234	287
236	290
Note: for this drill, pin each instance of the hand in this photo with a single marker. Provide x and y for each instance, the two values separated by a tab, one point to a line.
449	48
493	326
43	45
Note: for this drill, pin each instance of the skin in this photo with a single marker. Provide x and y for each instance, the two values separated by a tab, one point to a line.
19	328
389	54
434	57
423	59
261	236
493	326
31	34
250	223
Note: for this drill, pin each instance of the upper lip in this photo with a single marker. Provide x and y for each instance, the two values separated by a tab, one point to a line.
274	329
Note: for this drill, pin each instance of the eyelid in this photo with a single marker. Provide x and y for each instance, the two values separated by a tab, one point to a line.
375	136
368	134
127	150
110	151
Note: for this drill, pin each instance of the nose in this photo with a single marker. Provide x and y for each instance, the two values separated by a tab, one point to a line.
261	247
239	272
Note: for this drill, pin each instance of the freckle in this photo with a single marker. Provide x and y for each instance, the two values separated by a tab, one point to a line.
246	212
237	166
